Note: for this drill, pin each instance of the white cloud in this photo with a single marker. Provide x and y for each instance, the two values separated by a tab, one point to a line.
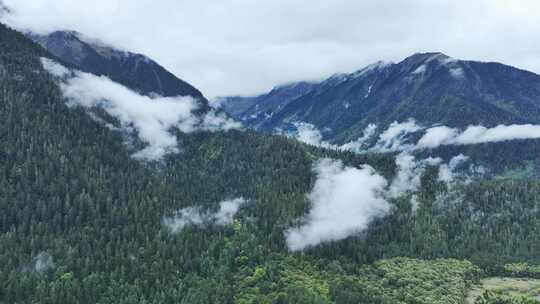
442	135
344	200
436	136
447	171
393	138
479	134
309	134
359	145
43	262
195	216
184	217
340	36
152	117
54	68
408	174
227	211
214	121
410	171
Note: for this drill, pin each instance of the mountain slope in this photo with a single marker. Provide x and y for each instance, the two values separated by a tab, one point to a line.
249	108
432	88
135	71
84	222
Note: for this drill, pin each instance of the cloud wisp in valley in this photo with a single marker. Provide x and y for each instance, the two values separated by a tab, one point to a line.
442	135
344	200
197	217
395	137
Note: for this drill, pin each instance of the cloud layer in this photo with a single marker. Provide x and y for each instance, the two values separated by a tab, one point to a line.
447	171
393	138
442	135
309	134
195	216
396	137
409	172
283	41
344	201
360	144
43	262
152	118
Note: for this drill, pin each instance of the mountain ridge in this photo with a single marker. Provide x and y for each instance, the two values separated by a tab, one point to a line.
134	70
432	88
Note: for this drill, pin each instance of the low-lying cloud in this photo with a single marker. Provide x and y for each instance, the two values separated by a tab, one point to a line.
152	117
360	144
309	134
442	135
197	217
42	263
396	138
447	172
393	138
344	200
409	173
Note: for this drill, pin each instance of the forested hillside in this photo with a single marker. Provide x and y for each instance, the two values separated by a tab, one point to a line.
84	222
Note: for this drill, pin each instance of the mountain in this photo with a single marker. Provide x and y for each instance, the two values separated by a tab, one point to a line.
85	222
133	70
249	108
431	88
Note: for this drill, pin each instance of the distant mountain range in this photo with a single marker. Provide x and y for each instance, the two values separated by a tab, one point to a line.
431	88
133	70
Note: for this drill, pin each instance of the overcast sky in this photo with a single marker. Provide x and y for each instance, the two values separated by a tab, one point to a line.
247	46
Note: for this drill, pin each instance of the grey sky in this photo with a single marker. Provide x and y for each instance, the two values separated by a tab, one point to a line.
247	46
